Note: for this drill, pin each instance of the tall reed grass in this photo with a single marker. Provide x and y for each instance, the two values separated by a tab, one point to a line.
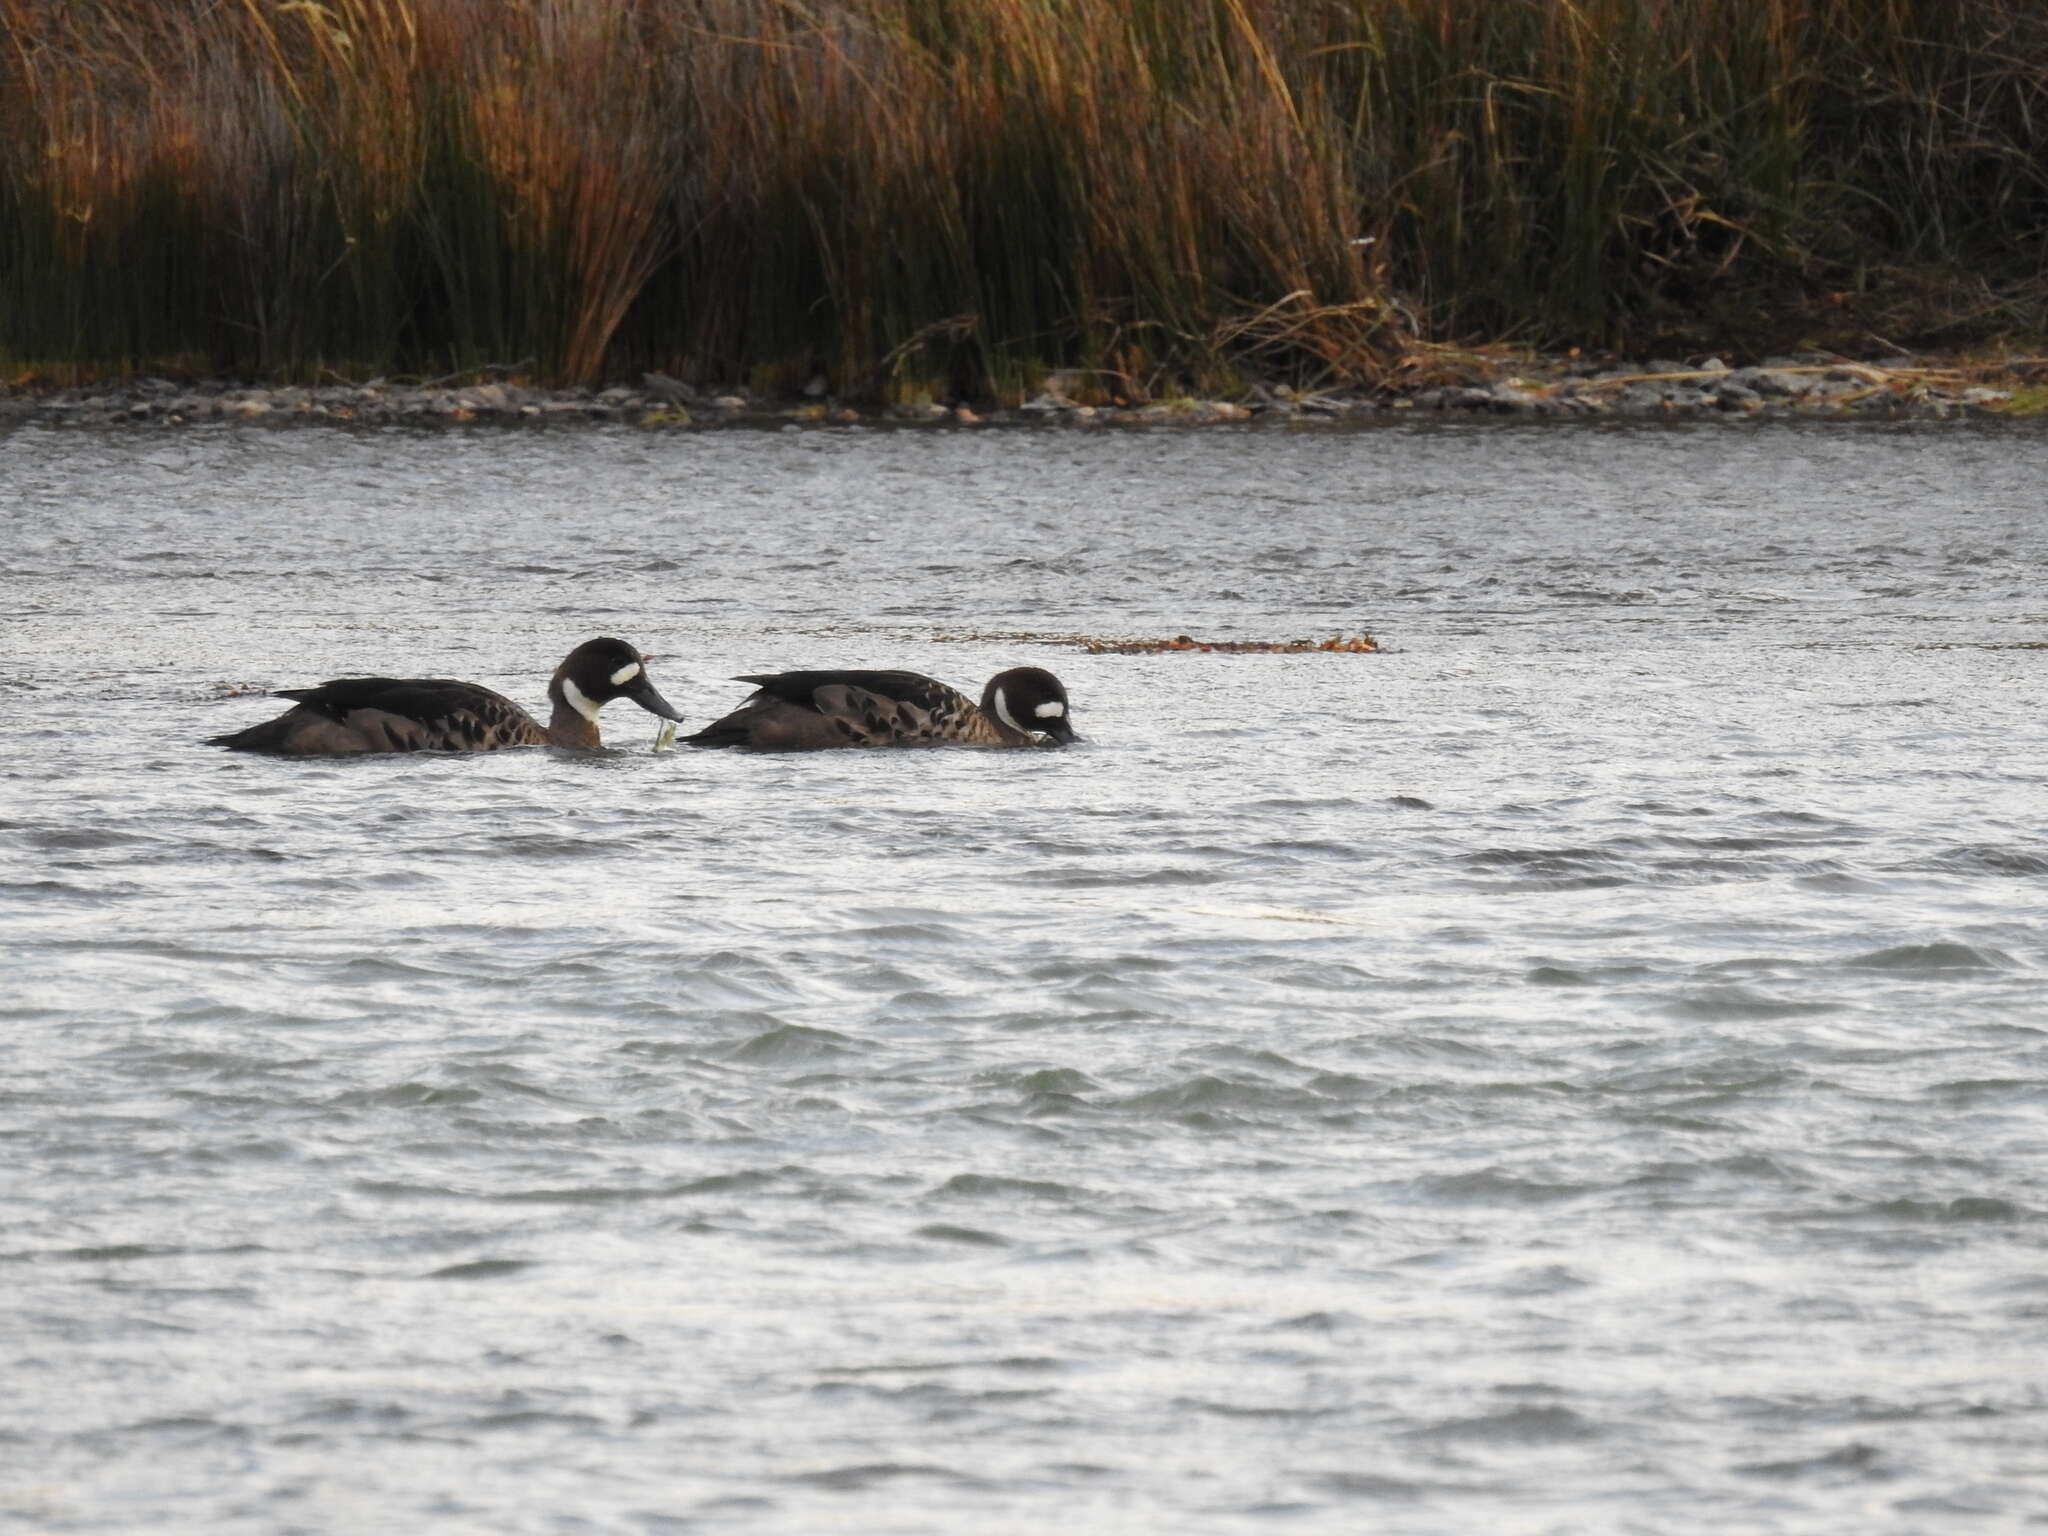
957	195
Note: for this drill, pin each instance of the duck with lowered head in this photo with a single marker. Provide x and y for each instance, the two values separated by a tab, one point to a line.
353	715
806	711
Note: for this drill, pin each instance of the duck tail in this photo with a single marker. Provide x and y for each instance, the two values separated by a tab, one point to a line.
272	735
257	738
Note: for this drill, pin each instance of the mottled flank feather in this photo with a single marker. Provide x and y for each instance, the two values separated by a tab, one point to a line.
812	711
349	715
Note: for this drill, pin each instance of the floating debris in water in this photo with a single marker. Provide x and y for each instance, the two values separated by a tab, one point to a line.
1356	645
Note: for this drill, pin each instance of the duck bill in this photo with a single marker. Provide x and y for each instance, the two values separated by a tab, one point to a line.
642	692
1059	731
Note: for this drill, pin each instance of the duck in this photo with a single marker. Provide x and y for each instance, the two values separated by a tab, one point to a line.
807	711
351	715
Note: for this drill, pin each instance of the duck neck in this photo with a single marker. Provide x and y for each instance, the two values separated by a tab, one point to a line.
996	709
573	720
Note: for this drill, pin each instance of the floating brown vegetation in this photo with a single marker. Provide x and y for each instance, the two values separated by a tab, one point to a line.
936	198
1353	645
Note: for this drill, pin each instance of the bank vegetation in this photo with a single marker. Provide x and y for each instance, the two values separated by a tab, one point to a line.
950	198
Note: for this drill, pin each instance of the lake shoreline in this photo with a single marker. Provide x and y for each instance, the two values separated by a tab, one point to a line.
1448	383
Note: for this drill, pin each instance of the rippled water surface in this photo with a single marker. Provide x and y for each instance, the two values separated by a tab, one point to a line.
1582	1069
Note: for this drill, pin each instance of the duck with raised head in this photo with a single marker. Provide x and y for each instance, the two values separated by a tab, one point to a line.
352	715
805	711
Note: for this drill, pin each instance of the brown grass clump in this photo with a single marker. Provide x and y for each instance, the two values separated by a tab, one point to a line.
925	198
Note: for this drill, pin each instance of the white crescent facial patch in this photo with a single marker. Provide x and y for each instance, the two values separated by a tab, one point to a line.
582	702
1003	713
625	674
1051	710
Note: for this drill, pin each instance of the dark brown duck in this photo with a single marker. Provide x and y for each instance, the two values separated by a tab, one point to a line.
351	715
806	711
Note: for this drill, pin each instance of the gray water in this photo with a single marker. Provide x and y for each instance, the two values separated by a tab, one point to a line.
1582	1069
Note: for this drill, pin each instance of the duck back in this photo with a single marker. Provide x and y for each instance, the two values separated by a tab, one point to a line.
812	710
350	715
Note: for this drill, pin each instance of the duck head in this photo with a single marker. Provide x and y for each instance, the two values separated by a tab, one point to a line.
598	671
1031	700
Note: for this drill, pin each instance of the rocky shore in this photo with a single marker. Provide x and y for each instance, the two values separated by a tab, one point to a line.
1450	384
